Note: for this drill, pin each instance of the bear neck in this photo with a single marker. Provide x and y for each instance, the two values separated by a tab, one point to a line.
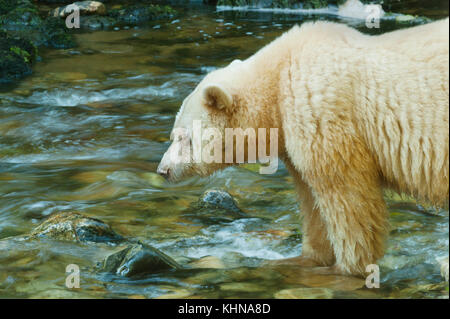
258	93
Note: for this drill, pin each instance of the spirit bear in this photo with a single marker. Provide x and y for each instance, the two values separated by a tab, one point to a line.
355	114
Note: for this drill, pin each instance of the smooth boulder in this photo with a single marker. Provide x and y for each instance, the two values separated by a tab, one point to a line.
73	226
138	260
84	7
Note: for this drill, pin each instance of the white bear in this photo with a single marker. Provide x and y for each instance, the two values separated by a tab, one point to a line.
355	114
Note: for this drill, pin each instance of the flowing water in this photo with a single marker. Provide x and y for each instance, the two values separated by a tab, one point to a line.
85	133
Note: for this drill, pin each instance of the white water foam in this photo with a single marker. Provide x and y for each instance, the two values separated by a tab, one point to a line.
74	97
218	240
350	9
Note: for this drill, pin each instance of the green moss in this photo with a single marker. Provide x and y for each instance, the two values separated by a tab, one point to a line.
20	18
24	54
7	6
16	57
315	4
283	3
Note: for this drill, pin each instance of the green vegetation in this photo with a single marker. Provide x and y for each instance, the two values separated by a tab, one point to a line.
22	30
315	4
24	54
16	57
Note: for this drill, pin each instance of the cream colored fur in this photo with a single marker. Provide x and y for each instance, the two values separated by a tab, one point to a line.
356	114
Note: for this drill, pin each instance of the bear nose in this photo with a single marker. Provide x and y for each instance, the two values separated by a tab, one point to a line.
163	171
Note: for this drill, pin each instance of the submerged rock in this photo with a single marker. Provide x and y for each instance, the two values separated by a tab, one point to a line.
305	293
73	226
207	262
217	199
175	293
214	206
440	290
138	260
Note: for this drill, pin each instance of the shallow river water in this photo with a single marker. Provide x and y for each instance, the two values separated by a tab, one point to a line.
85	133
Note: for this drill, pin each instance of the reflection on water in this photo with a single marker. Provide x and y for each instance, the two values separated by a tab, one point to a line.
85	133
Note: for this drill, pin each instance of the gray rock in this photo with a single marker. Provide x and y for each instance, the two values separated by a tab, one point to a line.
138	260
217	199
213	207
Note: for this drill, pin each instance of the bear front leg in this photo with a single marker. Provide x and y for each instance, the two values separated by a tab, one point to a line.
348	193
316	247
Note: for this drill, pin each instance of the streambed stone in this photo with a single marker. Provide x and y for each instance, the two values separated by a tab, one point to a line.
218	199
214	207
73	226
208	262
84	7
304	293
94	16
138	260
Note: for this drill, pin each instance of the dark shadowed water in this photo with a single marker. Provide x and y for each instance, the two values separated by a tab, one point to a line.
85	132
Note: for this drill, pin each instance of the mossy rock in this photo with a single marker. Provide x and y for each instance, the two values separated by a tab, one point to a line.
73	226
315	4
137	14
57	34
6	6
21	19
16	58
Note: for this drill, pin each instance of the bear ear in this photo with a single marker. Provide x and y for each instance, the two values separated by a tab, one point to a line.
217	96
235	62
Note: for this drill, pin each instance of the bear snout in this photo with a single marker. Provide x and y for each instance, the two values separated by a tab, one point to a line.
163	170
